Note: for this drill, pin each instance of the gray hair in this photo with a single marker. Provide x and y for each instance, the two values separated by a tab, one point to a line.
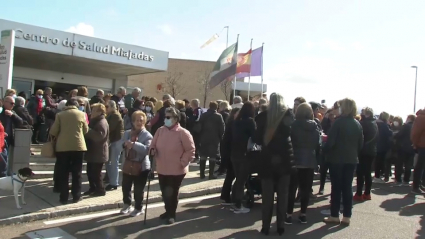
237	100
262	101
121	89
138	90
112	105
368	111
275	113
20	101
195	102
169	97
174	112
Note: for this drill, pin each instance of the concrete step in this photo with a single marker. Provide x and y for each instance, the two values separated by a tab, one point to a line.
36	166
49	174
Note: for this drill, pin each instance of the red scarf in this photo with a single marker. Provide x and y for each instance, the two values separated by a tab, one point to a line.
40	105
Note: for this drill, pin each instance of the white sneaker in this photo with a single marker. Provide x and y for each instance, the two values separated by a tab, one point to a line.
136	213
126	209
241	210
378	180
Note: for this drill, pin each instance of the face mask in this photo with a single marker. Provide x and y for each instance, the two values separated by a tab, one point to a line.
14	96
81	108
168	122
148	108
142	107
340	111
396	124
40	96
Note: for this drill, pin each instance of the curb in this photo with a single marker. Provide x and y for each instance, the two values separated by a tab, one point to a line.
95	208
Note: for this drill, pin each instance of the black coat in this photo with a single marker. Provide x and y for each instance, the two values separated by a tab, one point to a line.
277	157
96	99
242	130
384	139
370	134
160	121
22	112
212	130
225	114
9	124
305	140
183	119
403	138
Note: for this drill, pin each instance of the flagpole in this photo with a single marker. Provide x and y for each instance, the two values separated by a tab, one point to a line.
227	37
249	77
234	81
262	85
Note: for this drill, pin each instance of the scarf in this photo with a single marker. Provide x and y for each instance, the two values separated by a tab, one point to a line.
39	105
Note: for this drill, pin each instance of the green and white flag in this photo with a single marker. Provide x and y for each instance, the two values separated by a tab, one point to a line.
225	66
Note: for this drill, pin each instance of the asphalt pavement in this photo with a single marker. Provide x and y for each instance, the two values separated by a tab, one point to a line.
392	213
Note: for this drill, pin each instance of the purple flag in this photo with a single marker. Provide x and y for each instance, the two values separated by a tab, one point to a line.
256	64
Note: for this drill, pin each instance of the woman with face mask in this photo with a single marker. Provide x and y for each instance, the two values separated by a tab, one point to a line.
174	149
35	107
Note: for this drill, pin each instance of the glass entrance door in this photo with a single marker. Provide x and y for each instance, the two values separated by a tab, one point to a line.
23	85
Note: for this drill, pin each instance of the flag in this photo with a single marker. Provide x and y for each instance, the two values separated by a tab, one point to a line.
213	38
256	64
244	62
225	66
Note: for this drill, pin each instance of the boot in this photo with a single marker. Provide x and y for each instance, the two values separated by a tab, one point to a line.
202	165
211	170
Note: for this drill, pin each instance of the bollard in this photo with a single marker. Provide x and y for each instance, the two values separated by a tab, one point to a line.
19	157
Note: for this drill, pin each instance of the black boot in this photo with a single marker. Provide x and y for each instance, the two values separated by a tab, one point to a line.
202	165
211	170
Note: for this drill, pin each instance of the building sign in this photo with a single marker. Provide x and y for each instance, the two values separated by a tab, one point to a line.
7	46
82	45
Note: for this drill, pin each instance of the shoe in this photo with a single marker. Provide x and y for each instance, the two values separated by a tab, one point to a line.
265	231
386	180
321	192
288	220
125	209
241	210
331	220
345	221
98	194
377	180
366	197
226	203
202	177
76	200
163	216
171	220
111	188
358	198
55	190
398	184
303	219
406	184
136	212
63	202
418	191
89	192
280	231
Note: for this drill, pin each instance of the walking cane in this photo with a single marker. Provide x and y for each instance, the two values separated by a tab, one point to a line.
151	154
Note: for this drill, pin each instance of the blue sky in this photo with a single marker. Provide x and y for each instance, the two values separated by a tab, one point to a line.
326	49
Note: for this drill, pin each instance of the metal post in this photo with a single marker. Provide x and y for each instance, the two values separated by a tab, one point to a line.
227	37
262	85
416	82
249	77
234	81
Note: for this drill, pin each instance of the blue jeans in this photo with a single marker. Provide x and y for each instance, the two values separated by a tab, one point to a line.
342	181
113	164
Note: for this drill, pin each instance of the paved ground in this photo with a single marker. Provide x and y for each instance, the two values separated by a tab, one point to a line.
392	213
43	203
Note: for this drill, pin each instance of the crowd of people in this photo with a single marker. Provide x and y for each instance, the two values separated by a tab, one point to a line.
286	146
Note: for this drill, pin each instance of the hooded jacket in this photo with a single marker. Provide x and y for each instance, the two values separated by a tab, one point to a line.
305	139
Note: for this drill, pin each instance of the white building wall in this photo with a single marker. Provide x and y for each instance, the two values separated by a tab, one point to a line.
53	76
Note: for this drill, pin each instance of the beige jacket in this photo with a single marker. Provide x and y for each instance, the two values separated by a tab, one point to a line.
69	129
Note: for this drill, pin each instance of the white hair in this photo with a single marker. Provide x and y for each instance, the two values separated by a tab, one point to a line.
121	89
237	99
20	101
138	90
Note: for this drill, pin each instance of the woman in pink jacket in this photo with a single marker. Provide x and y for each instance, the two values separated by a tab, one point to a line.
174	149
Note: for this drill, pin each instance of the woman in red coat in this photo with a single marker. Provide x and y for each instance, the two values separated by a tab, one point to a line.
3	156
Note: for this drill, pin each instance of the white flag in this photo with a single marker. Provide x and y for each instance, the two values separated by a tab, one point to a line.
213	38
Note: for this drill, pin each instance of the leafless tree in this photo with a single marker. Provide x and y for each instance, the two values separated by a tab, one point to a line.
226	87
174	85
204	85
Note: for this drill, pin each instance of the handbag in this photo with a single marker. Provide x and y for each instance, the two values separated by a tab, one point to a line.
131	166
48	149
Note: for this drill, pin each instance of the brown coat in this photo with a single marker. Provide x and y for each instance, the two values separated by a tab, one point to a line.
69	129
418	130
116	126
97	140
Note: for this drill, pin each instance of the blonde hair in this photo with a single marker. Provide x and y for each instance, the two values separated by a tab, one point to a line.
99	107
82	91
158	105
10	92
304	111
398	119
224	105
71	92
39	92
348	107
137	114
180	104
384	116
150	104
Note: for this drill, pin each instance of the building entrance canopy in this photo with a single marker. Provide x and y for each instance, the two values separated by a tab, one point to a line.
46	49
